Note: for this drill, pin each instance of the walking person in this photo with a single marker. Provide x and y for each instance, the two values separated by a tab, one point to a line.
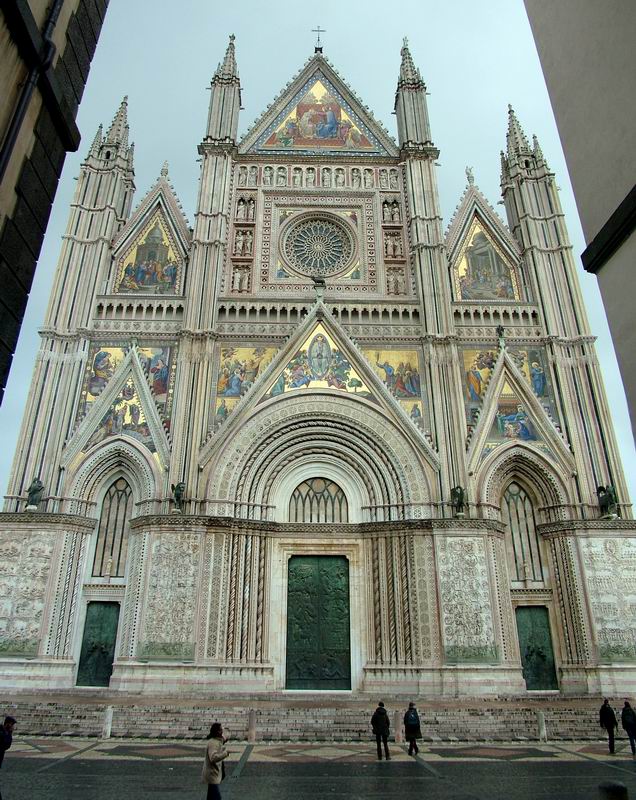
381	726
213	766
6	738
412	730
628	721
607	720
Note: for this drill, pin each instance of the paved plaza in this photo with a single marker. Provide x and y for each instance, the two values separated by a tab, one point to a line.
73	768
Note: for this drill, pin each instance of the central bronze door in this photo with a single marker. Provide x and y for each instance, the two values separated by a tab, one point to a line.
318	647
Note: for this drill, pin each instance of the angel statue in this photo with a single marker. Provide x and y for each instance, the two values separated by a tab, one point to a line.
458	500
607	501
178	492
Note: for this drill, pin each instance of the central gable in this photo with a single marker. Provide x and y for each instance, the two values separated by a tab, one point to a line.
318	114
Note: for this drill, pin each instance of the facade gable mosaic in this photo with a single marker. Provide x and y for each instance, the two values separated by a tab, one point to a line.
125	407
150	263
318	113
320	356
512	414
158	362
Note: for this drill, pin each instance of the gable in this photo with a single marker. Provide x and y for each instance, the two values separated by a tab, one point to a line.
150	262
319	363
482	270
318	114
514	414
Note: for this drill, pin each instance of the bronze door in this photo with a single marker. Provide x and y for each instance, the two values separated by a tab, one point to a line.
318	646
98	644
535	644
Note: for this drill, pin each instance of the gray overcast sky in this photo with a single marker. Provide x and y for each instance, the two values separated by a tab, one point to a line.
475	58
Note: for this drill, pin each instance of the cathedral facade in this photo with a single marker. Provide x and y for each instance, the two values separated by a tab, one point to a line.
317	442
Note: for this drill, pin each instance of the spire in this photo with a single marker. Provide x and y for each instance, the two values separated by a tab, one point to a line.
538	152
118	131
227	70
516	139
410	104
225	100
408	71
97	141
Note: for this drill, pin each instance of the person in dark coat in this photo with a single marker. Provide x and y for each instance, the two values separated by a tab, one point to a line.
412	730
607	720
6	738
628	721
381	726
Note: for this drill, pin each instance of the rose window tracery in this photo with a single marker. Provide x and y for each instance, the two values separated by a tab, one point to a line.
318	247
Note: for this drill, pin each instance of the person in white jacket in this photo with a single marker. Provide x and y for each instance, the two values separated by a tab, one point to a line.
213	766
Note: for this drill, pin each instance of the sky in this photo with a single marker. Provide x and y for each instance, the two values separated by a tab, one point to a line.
474	57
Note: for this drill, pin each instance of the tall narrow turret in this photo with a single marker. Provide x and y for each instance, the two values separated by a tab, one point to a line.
410	104
225	100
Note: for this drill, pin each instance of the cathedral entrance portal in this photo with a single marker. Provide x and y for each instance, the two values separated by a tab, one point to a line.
98	644
318	644
535	644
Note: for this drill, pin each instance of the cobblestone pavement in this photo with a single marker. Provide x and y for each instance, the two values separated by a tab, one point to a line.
74	769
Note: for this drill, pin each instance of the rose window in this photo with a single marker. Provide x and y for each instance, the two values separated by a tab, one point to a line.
318	247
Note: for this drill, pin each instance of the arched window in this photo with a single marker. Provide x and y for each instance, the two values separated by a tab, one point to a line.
524	551
112	534
318	500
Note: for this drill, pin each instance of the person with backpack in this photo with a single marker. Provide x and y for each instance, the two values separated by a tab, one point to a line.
628	721
412	730
381	726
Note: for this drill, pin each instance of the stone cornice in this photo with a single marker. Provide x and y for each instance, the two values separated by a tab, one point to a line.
588	527
182	523
35	520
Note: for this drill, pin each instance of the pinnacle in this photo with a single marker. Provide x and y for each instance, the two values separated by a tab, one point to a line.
408	71
228	69
516	139
164	170
94	148
118	131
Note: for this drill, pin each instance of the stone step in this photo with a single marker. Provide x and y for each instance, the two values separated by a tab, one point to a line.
291	719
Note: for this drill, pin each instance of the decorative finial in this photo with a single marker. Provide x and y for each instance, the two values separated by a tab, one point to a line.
405	42
232	38
469	176
318	30
164	170
510	109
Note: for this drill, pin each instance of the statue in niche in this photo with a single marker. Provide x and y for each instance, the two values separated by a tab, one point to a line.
239	242
326	177
387	246
34	494
311	176
281	177
607	501
268	176
397	247
356	178
395	211
253	175
368	179
458	500
236	279
393	179
340	177
297	177
248	243
242	177
178	495
386	211
241	210
251	205
384	179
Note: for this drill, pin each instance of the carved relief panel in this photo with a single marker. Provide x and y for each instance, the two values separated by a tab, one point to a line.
610	567
467	622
